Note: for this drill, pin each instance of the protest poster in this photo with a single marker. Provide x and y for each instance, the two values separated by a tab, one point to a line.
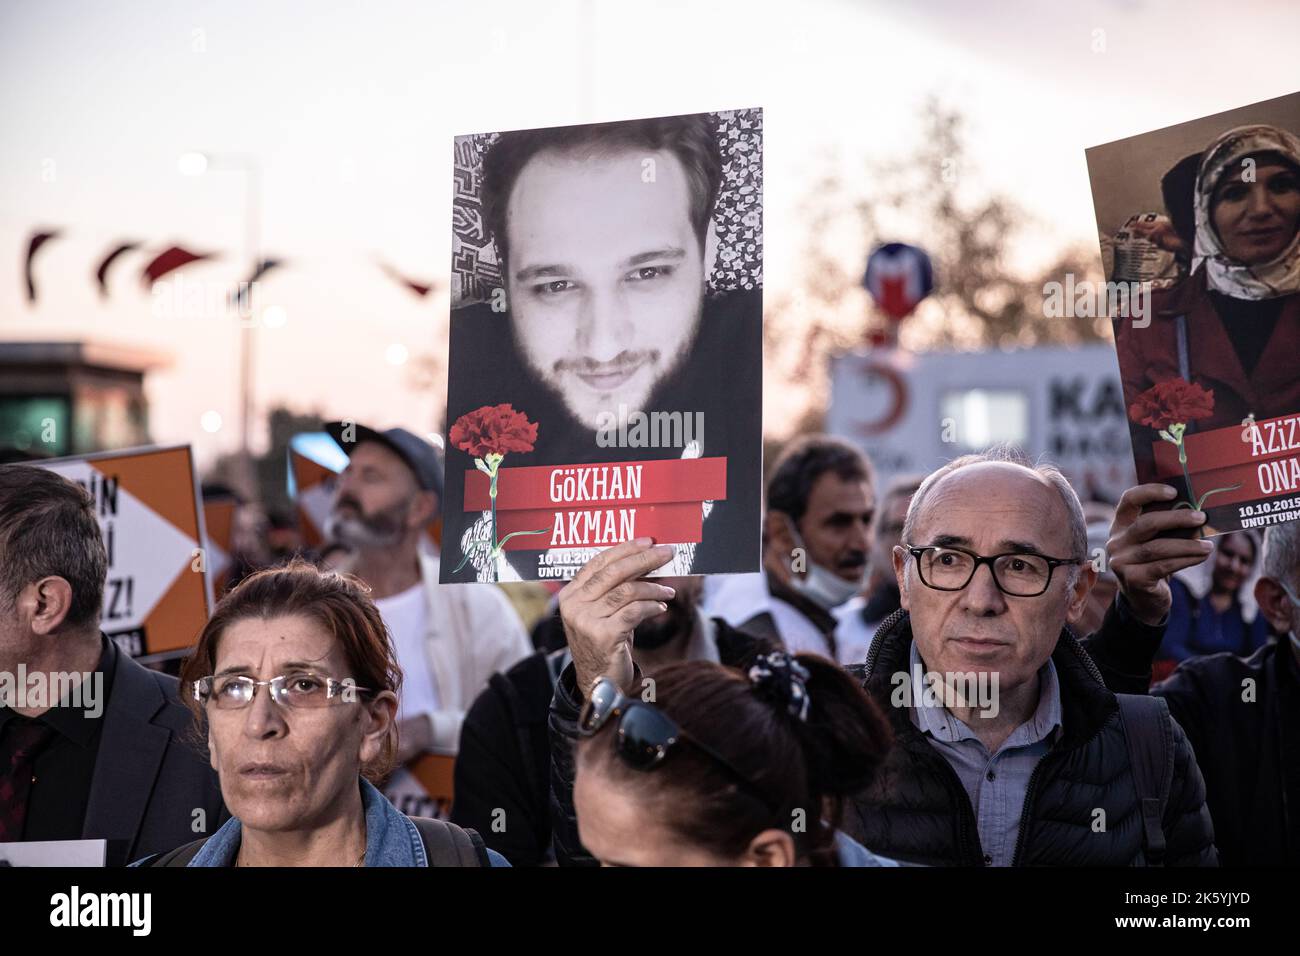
158	594
219	527
605	354
1199	232
315	461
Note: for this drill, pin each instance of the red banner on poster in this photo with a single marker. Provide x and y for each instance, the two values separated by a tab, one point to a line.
623	483
596	505
679	522
1235	445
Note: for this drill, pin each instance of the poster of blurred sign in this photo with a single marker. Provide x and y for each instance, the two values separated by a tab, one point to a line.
219	526
158	595
315	461
913	411
605	349
1206	220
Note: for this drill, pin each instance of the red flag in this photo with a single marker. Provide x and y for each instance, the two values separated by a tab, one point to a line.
101	274
419	288
38	240
240	296
168	261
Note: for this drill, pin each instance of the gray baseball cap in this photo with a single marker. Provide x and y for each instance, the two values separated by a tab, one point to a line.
421	457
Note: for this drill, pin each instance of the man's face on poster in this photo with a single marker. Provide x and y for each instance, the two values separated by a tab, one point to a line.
606	274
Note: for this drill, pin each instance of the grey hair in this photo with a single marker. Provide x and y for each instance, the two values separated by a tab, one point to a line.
1282	554
1009	454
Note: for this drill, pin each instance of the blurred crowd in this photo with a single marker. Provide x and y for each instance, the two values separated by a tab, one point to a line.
969	667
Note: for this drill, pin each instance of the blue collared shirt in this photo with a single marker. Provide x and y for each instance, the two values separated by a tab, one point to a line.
996	783
391	838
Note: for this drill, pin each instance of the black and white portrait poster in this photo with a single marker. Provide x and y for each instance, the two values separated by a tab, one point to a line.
1200	233
605	359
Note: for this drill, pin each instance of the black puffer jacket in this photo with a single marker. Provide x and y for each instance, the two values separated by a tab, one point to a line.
1242	715
917	810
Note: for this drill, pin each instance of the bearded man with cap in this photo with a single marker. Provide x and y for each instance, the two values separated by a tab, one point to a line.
450	639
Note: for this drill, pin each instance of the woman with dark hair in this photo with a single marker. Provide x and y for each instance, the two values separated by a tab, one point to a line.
296	681
1232	326
1211	619
728	768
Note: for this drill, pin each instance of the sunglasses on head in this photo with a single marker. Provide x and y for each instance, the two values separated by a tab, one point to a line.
645	735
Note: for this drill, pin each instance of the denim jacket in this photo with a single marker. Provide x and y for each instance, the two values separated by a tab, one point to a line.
391	837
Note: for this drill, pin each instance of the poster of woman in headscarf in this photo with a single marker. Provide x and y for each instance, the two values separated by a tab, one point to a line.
1202	222
605	354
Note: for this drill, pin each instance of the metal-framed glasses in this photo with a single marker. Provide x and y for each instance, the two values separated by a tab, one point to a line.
1017	573
299	689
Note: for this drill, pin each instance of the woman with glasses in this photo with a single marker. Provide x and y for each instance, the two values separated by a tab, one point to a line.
295	679
727	768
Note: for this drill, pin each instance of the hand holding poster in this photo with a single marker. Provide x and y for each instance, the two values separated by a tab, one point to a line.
605	362
1211	360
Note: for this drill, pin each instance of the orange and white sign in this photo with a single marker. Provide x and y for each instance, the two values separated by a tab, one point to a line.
158	596
219	523
313	484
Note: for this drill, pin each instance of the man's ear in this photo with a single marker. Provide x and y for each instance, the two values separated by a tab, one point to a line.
900	556
776	527
45	603
1079	593
710	250
424	510
1274	604
771	848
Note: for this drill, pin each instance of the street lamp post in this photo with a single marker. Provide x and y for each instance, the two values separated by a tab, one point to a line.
196	164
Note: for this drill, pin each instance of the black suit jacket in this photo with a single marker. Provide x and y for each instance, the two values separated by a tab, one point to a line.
151	774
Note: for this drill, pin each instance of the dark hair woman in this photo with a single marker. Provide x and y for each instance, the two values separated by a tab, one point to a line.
297	683
728	768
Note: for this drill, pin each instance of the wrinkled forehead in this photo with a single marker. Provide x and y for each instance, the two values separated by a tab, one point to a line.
268	647
617	201
992	507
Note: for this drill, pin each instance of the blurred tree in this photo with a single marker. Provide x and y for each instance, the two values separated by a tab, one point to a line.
930	198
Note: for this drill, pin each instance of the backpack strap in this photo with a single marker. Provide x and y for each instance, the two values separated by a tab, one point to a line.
449	845
1149	732
180	856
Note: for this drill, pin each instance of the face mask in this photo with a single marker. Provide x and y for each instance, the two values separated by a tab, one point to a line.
821	585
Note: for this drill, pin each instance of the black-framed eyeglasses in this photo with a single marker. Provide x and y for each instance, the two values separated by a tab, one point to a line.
645	735
1016	573
300	689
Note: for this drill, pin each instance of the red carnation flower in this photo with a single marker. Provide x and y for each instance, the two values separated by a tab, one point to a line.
1170	402
493	429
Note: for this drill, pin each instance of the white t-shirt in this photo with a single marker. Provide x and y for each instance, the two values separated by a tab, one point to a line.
407	616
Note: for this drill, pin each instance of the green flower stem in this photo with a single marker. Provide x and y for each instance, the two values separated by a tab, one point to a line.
492	493
1187	475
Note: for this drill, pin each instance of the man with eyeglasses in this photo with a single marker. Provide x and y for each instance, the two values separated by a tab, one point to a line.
1241	714
1009	749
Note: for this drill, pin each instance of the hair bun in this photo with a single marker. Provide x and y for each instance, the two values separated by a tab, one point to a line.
783	681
